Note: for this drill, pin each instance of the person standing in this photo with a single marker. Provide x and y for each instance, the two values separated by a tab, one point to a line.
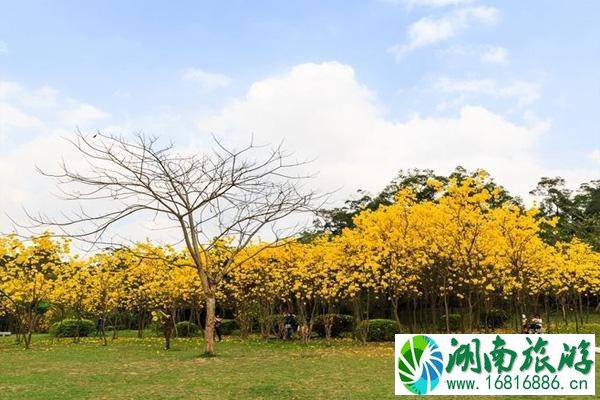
218	322
100	326
289	324
167	323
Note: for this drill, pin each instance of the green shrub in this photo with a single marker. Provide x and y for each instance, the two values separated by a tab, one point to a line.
455	322
495	319
341	323
379	330
187	329
592	327
228	326
69	328
43	307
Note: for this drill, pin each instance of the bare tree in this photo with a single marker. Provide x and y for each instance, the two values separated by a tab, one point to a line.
224	194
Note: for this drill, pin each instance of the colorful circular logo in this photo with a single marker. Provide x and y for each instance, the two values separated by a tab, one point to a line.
420	364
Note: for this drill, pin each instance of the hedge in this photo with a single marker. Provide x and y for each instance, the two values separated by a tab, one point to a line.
187	329
68	328
380	330
341	323
228	326
454	320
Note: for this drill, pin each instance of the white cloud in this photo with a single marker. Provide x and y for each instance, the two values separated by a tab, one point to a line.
27	113
13	117
595	156
524	92
206	80
34	133
16	94
495	55
3	48
81	113
428	31
322	111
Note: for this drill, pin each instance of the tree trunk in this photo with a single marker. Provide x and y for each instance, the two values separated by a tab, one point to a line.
447	311
244	320
168	326
328	325
547	312
209	328
141	324
27	335
395	313
362	329
104	341
486	311
414	315
434	321
470	304
587	308
575	307
580	300
78	329
115	327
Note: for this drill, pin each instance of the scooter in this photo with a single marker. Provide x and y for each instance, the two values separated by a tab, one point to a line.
535	329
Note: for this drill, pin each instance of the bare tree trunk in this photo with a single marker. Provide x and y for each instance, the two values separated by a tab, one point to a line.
209	329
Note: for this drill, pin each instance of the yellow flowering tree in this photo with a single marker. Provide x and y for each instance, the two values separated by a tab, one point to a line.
27	278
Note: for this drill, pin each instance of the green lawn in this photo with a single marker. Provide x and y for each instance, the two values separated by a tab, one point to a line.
131	368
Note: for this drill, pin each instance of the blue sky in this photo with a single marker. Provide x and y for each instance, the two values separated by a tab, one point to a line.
509	86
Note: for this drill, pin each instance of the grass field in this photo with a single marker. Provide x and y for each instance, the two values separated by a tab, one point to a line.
131	368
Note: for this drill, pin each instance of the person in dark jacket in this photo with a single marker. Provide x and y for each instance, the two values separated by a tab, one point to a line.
289	325
218	323
100	326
